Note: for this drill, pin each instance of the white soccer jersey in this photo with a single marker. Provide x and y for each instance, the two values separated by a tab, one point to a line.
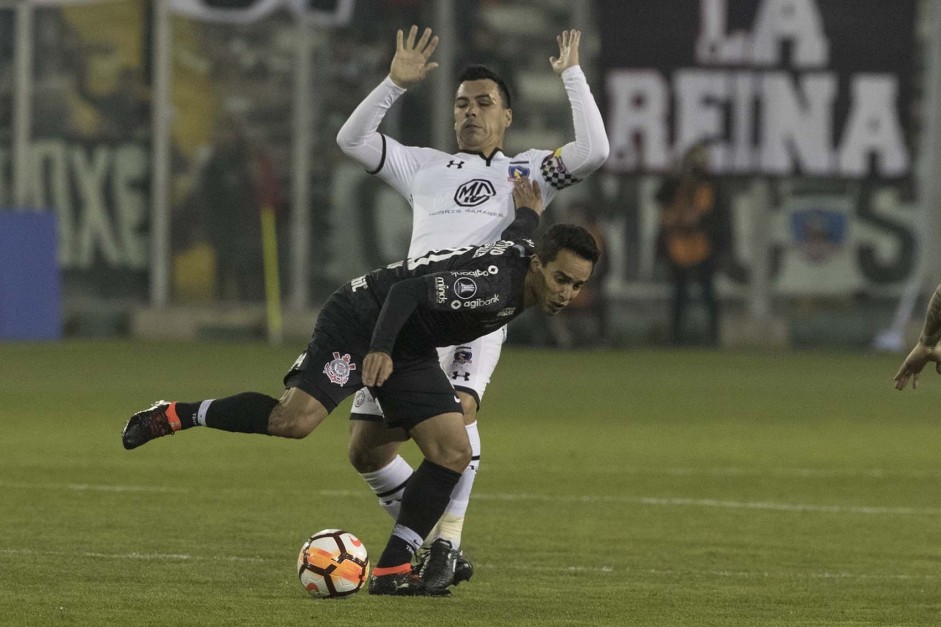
463	198
466	198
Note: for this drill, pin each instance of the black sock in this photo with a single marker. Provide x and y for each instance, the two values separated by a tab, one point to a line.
187	413
425	498
247	412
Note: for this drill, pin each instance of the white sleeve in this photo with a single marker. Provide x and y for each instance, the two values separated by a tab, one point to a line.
590	148
359	138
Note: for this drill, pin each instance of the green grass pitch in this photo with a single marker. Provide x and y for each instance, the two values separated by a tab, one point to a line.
616	488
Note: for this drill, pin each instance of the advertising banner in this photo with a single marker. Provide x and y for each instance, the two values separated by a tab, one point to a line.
816	88
815	97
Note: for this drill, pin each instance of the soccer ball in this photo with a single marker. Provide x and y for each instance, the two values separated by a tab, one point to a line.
332	563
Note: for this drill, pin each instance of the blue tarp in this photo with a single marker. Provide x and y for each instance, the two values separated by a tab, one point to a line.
30	294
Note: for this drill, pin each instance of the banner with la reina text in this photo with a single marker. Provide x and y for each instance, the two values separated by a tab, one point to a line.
816	88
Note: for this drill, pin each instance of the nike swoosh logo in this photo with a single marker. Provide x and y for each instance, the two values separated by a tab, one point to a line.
456	399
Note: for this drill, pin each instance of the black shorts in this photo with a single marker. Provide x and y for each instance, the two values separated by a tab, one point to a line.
331	369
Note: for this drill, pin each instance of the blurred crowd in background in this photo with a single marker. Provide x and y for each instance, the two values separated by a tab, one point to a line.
841	249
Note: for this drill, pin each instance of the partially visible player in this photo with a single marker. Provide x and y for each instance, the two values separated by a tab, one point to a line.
927	349
458	199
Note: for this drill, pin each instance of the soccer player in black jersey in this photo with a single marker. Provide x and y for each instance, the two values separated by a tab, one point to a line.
380	330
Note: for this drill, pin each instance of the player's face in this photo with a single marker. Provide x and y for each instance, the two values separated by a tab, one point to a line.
480	119
559	281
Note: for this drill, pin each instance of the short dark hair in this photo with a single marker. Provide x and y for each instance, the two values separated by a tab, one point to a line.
567	237
481	72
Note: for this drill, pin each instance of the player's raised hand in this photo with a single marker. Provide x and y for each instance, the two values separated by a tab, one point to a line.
376	369
410	63
526	193
568	51
915	362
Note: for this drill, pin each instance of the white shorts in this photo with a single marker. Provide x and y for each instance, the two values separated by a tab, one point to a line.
469	367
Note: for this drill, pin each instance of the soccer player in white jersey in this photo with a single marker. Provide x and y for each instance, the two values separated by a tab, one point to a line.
458	199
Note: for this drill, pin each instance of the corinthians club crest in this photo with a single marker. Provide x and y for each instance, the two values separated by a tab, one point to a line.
338	370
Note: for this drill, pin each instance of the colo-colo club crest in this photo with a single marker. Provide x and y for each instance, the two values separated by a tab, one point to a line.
338	370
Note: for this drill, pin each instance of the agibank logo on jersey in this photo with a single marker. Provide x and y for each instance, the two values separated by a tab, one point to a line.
474	192
474	304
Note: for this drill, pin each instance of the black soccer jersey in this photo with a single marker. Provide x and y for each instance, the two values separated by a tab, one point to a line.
446	297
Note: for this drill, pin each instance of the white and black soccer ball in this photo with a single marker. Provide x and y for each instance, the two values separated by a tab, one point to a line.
332	563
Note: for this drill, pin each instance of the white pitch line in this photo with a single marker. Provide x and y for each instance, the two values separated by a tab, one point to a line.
805	473
562	498
526	567
714	503
160	557
786	575
78	487
712	573
90	487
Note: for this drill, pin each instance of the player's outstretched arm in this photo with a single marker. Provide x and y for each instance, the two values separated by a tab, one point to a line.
359	136
590	148
410	64
927	349
568	51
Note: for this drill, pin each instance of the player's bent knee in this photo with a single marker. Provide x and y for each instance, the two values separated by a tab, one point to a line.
366	459
454	457
461	460
290	425
296	415
299	427
469	405
443	440
373	446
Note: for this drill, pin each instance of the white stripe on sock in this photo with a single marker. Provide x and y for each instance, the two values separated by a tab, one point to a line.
385	481
201	414
411	538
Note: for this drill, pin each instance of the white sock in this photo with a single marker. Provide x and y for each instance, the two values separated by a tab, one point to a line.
452	521
388	483
201	413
